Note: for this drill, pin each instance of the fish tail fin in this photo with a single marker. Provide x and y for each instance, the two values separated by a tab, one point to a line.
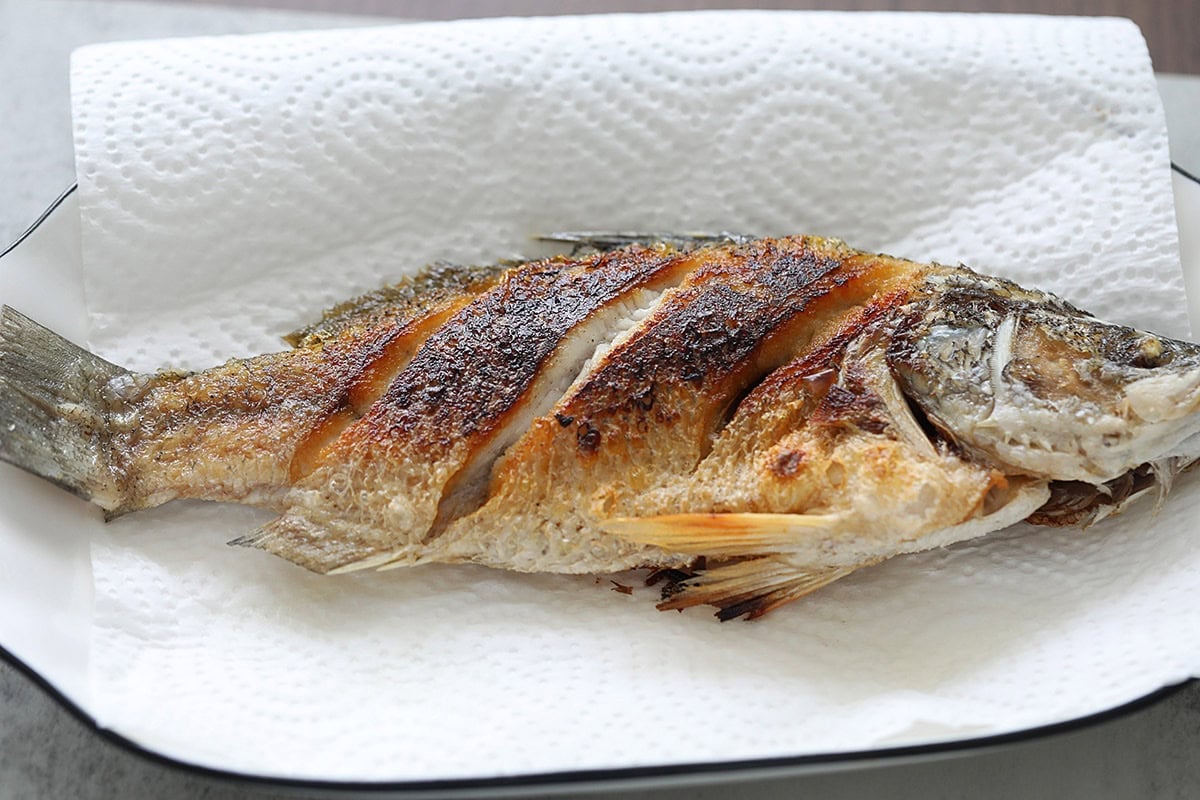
755	573
52	414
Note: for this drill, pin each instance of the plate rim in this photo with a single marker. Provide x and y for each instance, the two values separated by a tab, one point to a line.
610	777
37	223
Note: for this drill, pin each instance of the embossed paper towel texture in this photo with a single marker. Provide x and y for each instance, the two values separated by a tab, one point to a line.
231	188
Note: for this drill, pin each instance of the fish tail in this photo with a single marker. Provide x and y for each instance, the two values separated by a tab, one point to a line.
52	413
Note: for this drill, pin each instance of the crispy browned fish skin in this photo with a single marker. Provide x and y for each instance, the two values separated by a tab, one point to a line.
420	456
666	403
762	408
246	430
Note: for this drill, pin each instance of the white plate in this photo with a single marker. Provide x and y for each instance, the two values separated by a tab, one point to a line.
45	575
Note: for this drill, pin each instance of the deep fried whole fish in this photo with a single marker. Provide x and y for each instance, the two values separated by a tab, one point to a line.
756	418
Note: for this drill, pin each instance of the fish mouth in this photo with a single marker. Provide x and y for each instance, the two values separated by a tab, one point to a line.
1164	412
1165	397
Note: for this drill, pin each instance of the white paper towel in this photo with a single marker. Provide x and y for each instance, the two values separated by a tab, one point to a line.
231	188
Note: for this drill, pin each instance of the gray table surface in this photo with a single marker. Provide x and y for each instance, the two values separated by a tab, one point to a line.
45	752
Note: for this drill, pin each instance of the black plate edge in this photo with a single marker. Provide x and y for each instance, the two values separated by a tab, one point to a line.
729	770
1185	173
37	222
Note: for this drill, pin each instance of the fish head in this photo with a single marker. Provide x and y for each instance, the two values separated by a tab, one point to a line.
1035	386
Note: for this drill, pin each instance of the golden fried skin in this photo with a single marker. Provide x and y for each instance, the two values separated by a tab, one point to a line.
757	418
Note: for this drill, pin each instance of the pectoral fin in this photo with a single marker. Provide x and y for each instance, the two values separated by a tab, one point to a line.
717	535
760	579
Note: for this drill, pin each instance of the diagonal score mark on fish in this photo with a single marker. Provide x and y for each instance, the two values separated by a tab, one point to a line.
753	418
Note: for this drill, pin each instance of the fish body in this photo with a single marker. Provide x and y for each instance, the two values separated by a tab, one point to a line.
753	418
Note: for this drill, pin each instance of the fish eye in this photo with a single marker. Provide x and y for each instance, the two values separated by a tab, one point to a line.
1149	353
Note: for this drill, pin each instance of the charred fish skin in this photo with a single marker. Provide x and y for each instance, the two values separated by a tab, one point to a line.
635	425
759	417
665	420
420	457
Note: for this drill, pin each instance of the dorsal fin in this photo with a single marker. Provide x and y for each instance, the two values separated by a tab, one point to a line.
408	296
603	241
